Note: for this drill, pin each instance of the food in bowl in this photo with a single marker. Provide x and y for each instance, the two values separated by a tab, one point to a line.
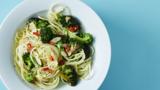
53	49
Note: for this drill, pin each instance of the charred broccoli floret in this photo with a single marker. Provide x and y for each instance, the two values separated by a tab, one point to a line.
87	50
70	22
46	34
69	75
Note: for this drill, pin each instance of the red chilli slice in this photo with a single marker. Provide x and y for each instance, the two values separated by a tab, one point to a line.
51	58
73	28
61	61
45	69
29	46
36	33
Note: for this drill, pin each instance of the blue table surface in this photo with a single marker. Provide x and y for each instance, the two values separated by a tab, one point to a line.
134	29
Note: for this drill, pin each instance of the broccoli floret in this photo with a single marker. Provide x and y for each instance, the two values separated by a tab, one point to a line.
29	77
46	34
27	60
69	75
70	22
87	50
85	38
40	23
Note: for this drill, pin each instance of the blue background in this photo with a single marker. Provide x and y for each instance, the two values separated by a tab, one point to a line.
134	29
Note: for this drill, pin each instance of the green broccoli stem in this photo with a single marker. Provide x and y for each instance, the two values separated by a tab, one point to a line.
85	39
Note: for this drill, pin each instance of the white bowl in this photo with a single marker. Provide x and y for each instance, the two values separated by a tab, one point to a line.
92	24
